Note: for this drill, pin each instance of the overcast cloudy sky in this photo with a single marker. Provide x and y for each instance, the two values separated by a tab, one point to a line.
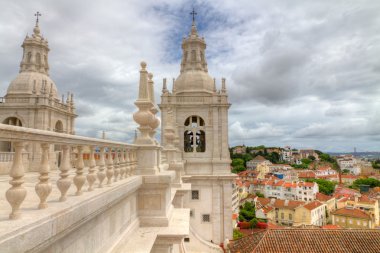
299	73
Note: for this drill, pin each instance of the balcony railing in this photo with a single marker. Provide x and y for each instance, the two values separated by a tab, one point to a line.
115	161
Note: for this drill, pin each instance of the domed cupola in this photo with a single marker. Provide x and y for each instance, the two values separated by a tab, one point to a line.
34	68
194	75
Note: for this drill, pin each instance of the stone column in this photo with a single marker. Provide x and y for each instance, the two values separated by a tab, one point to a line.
122	164
101	174
79	179
43	188
109	172
64	182
116	167
91	177
17	193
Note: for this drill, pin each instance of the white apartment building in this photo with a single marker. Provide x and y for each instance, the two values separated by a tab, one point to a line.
280	189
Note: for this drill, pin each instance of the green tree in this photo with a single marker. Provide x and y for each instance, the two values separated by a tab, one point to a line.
372	182
325	186
253	222
306	161
237	234
237	162
311	157
237	169
260	195
346	171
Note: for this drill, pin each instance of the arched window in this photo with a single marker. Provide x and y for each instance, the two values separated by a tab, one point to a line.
58	127
193	55
6	146
29	57
38	59
14	121
185	56
194	135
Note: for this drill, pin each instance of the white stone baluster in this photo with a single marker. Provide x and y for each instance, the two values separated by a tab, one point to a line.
43	187
122	164
109	172
129	163
17	193
91	176
116	167
134	162
79	179
102	163
64	182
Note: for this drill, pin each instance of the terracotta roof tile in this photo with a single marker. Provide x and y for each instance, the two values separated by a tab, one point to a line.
309	240
348	212
323	197
313	205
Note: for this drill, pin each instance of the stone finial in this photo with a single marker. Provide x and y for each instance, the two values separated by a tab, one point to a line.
151	88
144	116
214	87
143	84
173	86
224	85
164	87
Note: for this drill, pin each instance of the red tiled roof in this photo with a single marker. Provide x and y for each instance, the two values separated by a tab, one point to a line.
355	213
307	174
323	197
313	205
258	158
309	240
330	226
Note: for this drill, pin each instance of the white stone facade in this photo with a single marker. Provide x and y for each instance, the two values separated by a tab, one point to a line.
197	113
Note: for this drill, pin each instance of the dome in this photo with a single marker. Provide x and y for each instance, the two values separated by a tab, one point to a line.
194	81
26	82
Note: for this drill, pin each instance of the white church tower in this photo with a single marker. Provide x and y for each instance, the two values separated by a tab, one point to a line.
200	115
32	98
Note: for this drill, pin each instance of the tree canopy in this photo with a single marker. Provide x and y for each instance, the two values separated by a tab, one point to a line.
372	182
325	186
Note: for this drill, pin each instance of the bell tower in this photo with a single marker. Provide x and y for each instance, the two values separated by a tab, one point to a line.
198	113
32	98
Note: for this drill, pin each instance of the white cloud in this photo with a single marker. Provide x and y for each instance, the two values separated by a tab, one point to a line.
304	73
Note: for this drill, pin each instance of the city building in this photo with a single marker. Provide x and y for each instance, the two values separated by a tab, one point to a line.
349	217
252	164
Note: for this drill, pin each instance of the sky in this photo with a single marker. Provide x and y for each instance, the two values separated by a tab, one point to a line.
299	73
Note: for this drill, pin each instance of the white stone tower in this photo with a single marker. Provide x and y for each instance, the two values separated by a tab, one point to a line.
32	98
198	113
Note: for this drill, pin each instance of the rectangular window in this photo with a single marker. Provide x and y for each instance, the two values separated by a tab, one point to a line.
192	213
206	218
282	216
290	216
195	194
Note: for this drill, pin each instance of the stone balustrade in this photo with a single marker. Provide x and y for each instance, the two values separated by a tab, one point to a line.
116	161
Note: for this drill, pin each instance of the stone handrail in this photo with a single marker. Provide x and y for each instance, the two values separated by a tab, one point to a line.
211	247
8	156
121	163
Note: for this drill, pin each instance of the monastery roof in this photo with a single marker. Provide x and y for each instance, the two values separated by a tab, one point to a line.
354	212
309	240
313	205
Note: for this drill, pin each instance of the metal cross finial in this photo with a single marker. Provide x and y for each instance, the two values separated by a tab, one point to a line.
193	13
38	14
